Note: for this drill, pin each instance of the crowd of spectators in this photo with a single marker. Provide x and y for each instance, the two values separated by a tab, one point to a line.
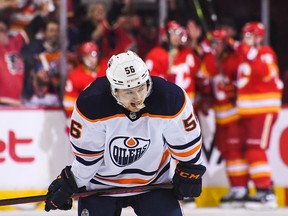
31	51
30	47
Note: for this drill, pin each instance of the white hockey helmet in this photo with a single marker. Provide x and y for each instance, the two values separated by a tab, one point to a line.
127	70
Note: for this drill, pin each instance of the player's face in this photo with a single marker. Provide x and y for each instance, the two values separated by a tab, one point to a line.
52	33
133	99
90	60
218	46
175	38
249	39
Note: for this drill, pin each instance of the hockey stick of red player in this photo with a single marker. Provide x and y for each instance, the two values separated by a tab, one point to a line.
108	191
205	27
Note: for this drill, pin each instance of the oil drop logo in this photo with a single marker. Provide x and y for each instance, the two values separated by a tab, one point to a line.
126	150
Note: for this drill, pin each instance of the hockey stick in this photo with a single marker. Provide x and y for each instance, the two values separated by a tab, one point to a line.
201	17
108	191
200	14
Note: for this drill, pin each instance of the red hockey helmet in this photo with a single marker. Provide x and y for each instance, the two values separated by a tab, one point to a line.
255	28
174	27
89	48
219	35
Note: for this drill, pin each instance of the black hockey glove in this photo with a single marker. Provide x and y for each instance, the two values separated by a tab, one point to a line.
60	191
187	180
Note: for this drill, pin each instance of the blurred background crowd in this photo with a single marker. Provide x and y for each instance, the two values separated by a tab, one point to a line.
30	41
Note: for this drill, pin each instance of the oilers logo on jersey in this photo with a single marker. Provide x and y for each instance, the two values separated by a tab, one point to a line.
126	150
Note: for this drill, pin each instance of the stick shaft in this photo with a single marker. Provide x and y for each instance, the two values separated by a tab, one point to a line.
208	34
109	191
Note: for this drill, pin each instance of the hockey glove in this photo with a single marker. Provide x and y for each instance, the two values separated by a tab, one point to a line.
187	180
60	191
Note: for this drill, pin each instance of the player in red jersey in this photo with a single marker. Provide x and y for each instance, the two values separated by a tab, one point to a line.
157	58
79	78
220	68
258	102
175	62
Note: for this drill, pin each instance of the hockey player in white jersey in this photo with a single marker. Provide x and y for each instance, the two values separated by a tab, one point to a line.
125	128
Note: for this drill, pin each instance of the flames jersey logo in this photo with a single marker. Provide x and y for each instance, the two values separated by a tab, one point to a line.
14	63
126	150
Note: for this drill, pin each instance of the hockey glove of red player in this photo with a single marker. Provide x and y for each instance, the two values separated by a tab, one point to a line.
60	191
187	180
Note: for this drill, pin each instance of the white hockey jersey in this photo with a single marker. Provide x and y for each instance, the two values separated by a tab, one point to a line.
114	147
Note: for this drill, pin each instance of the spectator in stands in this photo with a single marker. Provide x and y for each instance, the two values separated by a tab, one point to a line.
21	13
44	94
47	51
106	30
11	61
92	27
72	30
12	66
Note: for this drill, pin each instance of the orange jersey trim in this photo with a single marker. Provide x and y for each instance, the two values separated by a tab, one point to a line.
239	173
259	96
88	155
188	153
260	110
126	181
260	175
123	115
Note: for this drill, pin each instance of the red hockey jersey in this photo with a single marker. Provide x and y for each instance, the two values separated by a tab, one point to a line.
157	61
179	67
222	76
259	85
76	82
